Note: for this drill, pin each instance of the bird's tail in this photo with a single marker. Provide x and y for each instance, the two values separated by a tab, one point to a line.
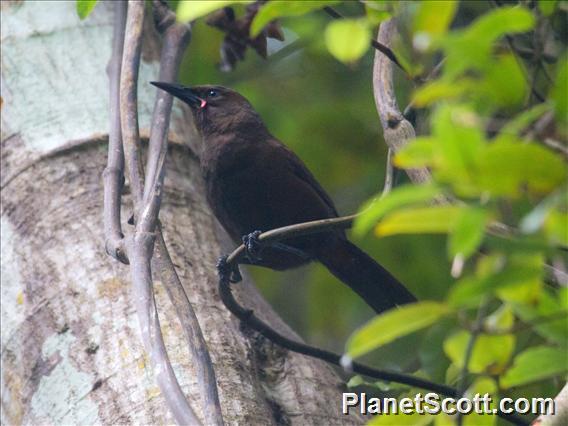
366	277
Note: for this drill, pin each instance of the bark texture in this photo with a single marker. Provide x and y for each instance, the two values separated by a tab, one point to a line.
71	350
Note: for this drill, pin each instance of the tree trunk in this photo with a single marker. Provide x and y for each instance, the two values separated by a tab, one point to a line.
71	349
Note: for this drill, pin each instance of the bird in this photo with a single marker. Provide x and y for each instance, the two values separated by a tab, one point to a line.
256	183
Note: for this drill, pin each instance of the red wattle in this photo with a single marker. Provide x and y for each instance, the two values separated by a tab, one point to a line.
203	103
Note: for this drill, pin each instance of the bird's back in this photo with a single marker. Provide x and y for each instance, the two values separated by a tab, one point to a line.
262	185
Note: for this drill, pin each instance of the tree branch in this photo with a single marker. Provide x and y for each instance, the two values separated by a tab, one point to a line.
129	100
141	246
248	317
162	263
397	130
114	173
389	174
176	39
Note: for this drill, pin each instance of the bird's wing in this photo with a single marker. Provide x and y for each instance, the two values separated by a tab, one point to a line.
299	169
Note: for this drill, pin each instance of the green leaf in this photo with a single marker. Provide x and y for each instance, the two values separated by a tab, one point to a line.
524	292
432	357
468	232
379	384
393	324
478	38
504	84
434	17
563	297
374	210
376	12
556	227
278	9
501	320
520	271
555	331
347	39
506	167
85	7
420	220
535	364
439	90
188	10
560	90
490	353
459	140
500	21
356	381
547	7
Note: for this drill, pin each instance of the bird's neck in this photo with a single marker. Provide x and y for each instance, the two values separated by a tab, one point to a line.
230	146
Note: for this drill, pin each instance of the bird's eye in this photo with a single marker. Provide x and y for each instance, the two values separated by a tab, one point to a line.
212	93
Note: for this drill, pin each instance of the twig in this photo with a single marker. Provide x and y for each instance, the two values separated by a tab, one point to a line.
176	37
287	50
431	75
527	326
389	174
397	130
388	53
248	317
129	99
528	53
538	131
297	230
200	353
332	12
556	146
141	252
141	246
114	172
474	333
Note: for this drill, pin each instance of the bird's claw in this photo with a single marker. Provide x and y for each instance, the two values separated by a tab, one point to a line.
226	271
253	246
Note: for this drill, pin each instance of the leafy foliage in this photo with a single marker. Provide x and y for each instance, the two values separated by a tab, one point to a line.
503	190
393	324
552	362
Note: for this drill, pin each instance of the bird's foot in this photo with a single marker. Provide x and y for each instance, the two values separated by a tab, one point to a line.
253	246
226	271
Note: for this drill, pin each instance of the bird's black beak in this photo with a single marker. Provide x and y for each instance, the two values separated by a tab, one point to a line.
181	92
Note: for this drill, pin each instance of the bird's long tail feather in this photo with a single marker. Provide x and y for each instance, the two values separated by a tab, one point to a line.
366	277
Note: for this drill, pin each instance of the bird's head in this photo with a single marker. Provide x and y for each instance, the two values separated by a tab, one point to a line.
216	109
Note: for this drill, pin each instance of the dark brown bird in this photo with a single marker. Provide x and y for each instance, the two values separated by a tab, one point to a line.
254	182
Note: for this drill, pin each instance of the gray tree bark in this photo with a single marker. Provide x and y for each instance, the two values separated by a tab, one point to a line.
71	350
